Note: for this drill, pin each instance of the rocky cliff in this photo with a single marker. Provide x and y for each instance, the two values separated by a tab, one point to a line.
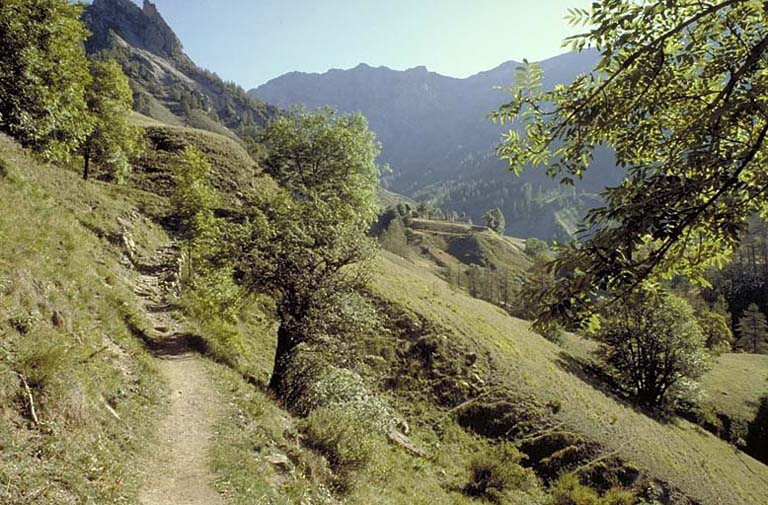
167	84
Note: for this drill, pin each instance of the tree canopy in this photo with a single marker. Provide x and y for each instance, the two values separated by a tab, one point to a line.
114	142
681	96
653	345
753	330
43	76
299	244
494	219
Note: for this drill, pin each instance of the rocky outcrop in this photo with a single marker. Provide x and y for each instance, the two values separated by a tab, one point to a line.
141	28
166	83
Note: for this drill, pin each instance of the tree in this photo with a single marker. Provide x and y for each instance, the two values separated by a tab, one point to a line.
494	219
194	200
301	243
652	345
114	142
679	95
753	331
717	333
534	247
43	76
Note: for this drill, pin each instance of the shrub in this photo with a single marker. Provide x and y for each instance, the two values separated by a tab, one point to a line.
717	333
345	437
551	331
569	491
653	346
534	247
497	472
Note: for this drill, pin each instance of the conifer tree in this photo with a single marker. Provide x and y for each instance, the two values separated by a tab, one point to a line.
753	331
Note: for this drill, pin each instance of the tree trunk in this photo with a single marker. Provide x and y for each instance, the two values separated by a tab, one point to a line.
86	163
285	345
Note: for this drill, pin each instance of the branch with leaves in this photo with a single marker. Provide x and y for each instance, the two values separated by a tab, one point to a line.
680	95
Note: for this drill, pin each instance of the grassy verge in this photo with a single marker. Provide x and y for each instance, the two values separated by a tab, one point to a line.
258	457
79	392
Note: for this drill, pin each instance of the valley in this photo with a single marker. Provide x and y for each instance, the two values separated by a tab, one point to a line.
209	296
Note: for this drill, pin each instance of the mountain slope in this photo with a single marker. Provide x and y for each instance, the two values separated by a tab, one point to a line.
167	84
79	392
440	143
677	452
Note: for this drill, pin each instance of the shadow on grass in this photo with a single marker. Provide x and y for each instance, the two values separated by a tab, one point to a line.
595	376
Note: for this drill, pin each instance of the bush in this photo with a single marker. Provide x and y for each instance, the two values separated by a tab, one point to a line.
345	437
569	491
672	352
551	331
534	247
497	472
718	335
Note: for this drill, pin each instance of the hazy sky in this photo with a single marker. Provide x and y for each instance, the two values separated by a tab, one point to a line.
253	41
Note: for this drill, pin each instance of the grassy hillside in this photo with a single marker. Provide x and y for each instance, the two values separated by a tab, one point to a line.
735	384
234	172
450	248
699	464
78	391
407	407
388	199
731	393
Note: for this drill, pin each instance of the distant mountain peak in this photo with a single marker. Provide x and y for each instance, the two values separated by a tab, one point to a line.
143	28
166	83
437	137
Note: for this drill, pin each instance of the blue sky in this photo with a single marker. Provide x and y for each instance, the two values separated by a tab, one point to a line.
252	41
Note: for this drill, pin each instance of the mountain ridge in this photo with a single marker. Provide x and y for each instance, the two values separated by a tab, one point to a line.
167	85
440	143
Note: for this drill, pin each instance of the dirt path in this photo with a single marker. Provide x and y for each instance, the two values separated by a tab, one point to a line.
177	470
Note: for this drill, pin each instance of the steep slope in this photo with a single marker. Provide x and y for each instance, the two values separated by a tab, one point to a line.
167	85
78	391
679	453
440	143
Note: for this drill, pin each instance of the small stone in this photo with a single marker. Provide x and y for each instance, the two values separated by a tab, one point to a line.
280	460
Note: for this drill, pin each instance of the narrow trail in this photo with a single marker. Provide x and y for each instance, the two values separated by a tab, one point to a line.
177	470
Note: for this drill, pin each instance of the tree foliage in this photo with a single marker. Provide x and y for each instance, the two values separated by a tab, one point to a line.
300	243
680	95
717	334
494	219
114	142
653	346
194	200
752	330
43	76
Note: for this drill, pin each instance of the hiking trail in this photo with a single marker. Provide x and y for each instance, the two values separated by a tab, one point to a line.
176	470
